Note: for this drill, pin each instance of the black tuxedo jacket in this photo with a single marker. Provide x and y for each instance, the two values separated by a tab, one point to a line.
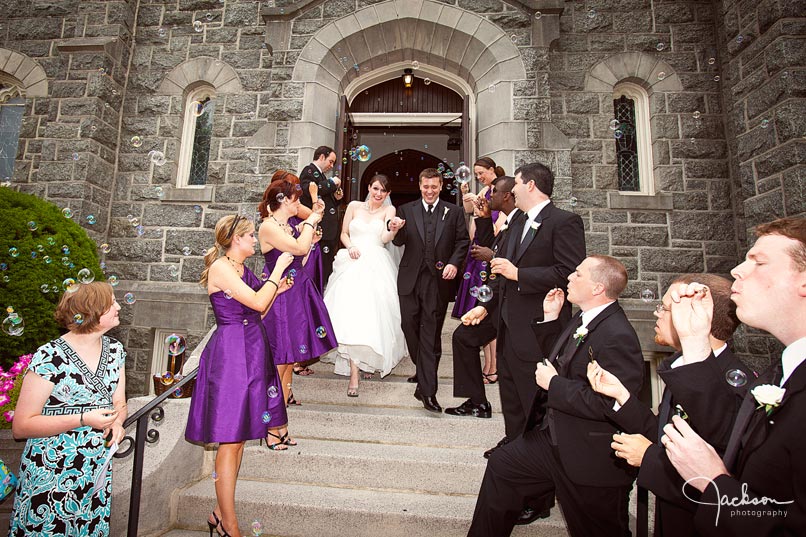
451	242
544	259
330	221
771	463
582	420
711	405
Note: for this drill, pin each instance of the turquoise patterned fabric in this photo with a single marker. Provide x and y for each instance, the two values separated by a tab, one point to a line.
58	473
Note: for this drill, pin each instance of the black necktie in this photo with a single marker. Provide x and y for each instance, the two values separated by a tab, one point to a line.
570	345
430	209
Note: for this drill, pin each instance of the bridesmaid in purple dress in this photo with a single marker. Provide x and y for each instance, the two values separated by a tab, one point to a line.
298	325
486	172
238	394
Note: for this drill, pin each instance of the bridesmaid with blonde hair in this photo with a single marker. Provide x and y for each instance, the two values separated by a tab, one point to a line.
238	394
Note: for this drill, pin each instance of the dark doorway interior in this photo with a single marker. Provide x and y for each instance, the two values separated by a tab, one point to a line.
403	168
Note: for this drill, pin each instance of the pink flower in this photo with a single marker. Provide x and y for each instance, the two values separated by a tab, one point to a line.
6	385
4	399
9	415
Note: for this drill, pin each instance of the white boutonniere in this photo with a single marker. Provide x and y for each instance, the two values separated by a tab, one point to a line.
579	335
445	213
768	396
534	225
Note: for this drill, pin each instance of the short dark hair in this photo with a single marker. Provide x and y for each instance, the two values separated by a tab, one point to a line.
540	174
382	179
725	321
611	273
504	183
430	173
322	150
792	228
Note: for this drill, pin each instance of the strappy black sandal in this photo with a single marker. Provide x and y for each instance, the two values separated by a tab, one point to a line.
216	526
280	445
488	380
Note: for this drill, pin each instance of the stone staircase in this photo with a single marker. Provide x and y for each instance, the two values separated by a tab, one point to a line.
375	465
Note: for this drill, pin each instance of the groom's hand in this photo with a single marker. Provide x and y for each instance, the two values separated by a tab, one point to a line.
396	224
449	272
474	316
505	268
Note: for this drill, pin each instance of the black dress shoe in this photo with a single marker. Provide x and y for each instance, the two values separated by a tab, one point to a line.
483	410
429	401
502	442
529	515
412	379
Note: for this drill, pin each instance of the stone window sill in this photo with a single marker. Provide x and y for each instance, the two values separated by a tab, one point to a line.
658	202
189	194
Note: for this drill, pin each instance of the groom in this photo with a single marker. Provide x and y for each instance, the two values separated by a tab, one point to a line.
436	242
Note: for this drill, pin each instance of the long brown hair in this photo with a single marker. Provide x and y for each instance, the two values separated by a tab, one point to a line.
226	229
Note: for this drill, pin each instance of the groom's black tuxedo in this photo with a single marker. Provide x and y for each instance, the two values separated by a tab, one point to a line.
711	405
767	454
566	446
545	258
438	240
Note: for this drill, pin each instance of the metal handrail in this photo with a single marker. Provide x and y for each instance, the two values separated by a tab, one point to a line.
142	435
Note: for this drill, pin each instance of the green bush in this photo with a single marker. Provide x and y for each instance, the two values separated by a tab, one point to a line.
40	265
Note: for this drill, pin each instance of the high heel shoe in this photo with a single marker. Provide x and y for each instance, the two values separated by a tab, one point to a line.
488	380
216	526
280	445
292	400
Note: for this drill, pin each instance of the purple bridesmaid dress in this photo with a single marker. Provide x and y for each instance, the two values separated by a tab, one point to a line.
238	395
298	323
471	277
314	265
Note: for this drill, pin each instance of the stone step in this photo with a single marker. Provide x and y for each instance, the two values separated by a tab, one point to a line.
368	465
325	387
401	426
291	509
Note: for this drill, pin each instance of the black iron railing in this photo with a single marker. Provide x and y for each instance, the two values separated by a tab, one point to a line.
143	434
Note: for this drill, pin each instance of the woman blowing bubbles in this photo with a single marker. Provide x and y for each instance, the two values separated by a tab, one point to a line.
238	394
71	407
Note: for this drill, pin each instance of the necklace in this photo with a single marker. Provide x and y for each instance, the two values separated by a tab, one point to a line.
369	210
233	262
281	224
285	226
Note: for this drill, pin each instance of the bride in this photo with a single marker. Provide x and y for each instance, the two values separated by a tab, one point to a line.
361	294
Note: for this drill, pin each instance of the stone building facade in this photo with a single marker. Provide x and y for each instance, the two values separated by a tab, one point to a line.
107	82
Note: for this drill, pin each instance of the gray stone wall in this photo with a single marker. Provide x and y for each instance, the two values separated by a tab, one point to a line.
687	226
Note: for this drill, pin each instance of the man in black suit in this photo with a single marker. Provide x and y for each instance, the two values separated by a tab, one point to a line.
329	191
467	338
707	393
759	487
565	448
545	245
436	242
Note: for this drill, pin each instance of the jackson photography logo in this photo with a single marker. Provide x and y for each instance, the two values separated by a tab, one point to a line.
743	506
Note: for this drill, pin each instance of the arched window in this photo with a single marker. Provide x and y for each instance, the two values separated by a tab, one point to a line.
633	139
12	108
197	135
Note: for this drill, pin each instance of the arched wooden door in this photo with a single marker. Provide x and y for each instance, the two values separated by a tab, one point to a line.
403	169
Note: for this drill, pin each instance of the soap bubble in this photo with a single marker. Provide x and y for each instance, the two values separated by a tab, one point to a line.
538	15
717	78
134	221
740	39
197	26
303	349
67	212
113	280
697	114
325	249
228	294
78	318
272	392
32	226
765	123
13	252
415	64
76	156
65	249
162	32
160	192
69	285
427	81
440	265
474	291
209	16
661	75
257	529
491	88
736	378
266	417
484	293
167	378
711	61
13	324
215	476
363	153
614	123
618	134
466	276
85	275
175	344
591	13
158	158
173	270
105	248
660	46
44	288
321	332
91	219
129	298
140	230
463	174
647	295
186	250
483	275
136	141
197	209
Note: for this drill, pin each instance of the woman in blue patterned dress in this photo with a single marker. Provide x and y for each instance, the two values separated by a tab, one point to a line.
71	409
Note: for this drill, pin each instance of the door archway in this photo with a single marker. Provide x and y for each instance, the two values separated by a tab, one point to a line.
403	170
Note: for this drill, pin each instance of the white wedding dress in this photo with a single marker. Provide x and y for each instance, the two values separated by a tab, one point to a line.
361	297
